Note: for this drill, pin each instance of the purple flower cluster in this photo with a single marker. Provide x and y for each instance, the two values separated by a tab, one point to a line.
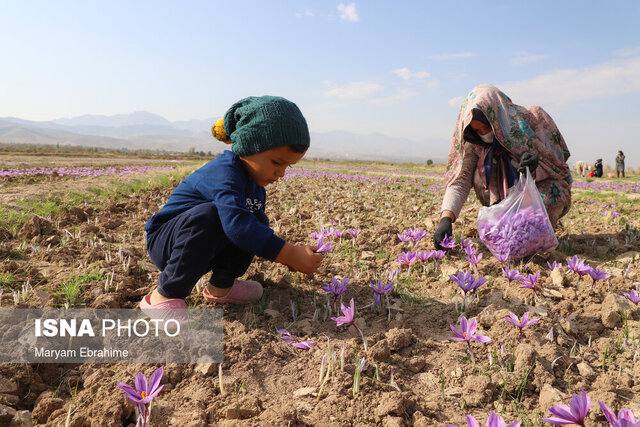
494	420
413	235
467	282
295	341
77	171
517	235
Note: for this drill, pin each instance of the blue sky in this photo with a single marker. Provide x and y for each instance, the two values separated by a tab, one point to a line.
398	68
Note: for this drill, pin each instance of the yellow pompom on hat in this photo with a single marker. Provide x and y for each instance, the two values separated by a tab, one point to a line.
256	124
218	132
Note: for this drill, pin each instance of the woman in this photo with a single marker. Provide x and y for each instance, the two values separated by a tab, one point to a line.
494	139
597	168
619	164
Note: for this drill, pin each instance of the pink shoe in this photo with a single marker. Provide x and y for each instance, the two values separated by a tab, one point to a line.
242	292
171	309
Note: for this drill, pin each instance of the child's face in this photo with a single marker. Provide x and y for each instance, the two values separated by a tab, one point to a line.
269	166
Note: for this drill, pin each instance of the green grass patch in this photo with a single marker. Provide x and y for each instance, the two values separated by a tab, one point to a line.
7	278
70	292
22	210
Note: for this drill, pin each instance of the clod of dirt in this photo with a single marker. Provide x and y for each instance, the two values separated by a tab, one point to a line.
478	389
399	338
550	396
6	414
36	226
46	404
394	403
525	357
380	351
612	306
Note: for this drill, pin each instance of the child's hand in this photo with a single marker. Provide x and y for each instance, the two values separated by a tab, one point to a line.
300	258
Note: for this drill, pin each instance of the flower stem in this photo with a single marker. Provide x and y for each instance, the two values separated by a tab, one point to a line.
364	340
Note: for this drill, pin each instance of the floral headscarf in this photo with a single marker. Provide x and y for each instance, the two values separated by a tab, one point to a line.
518	130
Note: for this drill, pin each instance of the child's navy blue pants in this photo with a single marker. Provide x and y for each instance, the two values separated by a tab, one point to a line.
191	244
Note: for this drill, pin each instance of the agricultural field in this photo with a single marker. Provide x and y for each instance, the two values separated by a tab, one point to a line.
71	235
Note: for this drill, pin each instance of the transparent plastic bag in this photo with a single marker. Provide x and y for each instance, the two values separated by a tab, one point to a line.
518	226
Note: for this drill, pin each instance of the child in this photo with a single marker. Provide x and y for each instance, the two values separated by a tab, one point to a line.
215	220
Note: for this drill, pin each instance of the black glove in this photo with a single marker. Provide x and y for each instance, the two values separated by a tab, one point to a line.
528	160
444	229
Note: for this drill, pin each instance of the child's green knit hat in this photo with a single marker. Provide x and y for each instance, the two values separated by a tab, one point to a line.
256	124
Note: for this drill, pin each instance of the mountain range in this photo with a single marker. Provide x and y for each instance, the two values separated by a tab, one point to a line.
143	130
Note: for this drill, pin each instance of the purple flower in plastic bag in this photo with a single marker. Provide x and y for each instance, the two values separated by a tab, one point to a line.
510	234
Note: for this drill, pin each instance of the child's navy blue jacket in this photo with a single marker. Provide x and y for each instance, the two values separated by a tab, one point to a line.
240	201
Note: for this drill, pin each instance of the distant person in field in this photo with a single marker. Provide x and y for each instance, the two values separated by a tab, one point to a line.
620	164
597	168
580	168
495	139
215	219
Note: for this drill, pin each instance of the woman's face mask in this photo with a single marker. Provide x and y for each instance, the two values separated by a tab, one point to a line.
487	137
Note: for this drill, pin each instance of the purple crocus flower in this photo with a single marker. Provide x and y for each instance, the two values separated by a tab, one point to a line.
336	287
625	417
348	314
449	242
323	246
531	282
354	233
467	282
575	414
494	420
437	255
597	275
512	275
577	266
520	323
406	258
327	231
462	279
380	289
424	256
316	235
474	258
338	233
633	296
466	331
403	237
295	341
552	266
143	393
465	243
